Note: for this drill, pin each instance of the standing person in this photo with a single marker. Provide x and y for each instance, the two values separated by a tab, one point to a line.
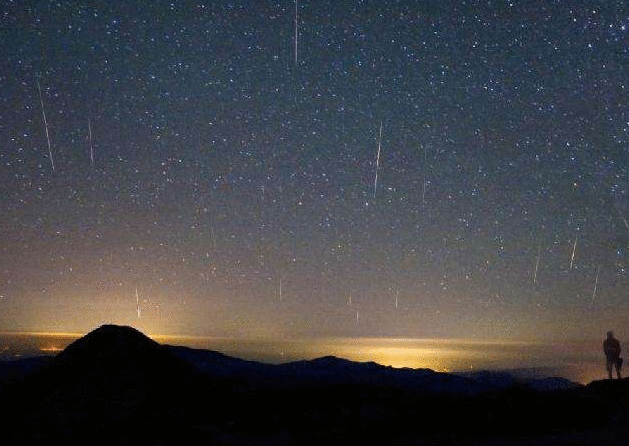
611	347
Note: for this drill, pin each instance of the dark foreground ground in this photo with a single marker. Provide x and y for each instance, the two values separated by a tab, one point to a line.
116	386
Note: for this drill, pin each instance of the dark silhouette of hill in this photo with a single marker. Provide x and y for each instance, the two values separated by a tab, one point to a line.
116	386
330	370
113	385
113	350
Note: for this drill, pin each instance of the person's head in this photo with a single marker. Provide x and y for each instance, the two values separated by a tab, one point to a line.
610	334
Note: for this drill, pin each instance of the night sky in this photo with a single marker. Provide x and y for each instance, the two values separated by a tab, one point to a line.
202	156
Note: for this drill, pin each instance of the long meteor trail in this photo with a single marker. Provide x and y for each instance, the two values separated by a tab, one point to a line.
296	30
375	182
574	249
89	130
137	302
536	267
598	271
41	101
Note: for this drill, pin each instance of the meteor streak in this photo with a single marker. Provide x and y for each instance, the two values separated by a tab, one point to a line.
375	183
137	302
536	267
296	31
574	248
598	271
424	182
43	112
89	130
624	220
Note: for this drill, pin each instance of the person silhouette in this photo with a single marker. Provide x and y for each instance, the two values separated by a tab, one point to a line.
611	347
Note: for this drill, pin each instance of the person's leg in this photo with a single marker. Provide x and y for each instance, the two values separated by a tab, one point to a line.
609	369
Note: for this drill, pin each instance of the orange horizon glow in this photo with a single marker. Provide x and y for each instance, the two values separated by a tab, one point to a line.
578	362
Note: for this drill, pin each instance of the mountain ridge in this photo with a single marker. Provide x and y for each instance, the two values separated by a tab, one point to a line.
118	386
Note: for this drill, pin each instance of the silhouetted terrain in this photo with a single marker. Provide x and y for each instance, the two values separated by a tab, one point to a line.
116	386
